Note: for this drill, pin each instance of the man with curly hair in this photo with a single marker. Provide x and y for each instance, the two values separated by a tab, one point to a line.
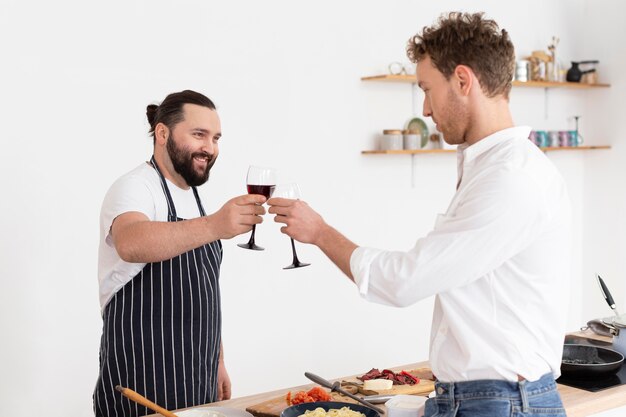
497	260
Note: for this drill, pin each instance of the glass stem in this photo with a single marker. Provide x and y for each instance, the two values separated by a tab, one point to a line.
295	257
251	241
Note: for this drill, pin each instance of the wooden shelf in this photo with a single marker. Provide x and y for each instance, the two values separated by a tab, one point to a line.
550	84
407	152
532	84
574	148
421	151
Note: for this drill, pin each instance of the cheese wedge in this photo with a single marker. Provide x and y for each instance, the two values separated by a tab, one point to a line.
377	384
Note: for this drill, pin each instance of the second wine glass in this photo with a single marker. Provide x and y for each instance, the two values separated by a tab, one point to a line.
262	181
291	191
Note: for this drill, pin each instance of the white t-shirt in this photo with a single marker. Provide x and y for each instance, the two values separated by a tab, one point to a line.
498	261
139	190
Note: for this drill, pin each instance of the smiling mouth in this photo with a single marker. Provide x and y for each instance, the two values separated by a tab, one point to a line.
202	158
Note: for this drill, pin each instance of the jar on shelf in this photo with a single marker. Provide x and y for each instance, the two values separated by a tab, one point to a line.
412	139
522	70
435	141
391	140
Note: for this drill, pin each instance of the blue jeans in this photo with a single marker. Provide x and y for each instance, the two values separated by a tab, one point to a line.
494	398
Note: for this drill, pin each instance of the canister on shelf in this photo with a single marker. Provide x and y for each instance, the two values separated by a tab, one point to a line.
435	141
522	70
412	139
391	140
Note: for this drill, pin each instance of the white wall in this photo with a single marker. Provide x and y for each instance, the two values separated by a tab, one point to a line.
75	81
604	243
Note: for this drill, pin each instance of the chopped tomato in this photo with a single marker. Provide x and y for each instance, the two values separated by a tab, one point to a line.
313	395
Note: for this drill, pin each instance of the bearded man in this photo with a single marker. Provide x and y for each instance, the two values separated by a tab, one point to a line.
159	264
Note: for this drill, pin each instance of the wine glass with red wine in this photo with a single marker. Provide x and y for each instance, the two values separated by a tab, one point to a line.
259	181
291	191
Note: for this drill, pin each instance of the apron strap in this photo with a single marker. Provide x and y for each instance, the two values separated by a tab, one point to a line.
171	210
195	193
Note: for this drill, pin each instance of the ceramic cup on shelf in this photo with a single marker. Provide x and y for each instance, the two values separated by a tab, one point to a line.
553	139
541	138
575	138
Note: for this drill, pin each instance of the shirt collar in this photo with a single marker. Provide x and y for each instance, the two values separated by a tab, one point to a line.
469	152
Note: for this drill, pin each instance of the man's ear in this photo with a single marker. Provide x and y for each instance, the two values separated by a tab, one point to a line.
161	133
464	77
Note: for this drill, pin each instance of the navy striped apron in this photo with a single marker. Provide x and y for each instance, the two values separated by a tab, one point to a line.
162	331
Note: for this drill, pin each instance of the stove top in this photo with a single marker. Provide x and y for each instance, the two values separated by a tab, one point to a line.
593	384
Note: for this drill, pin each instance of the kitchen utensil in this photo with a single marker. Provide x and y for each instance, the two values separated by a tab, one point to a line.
582	361
619	335
617	326
601	327
140	399
297	410
336	387
607	294
574	74
379	398
588	361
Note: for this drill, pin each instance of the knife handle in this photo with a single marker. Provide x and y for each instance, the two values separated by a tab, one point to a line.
605	292
318	380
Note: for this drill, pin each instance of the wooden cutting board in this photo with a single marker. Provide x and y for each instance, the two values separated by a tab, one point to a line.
275	406
425	386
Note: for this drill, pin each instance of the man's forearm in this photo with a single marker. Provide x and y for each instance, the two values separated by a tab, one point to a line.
338	248
149	241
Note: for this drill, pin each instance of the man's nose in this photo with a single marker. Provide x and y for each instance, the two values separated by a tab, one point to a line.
209	147
426	111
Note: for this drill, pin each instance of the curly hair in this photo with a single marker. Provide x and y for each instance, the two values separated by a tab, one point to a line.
468	39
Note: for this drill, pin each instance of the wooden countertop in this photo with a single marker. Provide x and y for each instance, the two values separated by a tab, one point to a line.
578	403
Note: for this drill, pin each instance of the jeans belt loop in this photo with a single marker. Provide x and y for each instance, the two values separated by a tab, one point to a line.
522	390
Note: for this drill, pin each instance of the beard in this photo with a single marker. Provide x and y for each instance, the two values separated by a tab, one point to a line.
182	160
454	129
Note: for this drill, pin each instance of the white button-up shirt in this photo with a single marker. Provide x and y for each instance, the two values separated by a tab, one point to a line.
498	261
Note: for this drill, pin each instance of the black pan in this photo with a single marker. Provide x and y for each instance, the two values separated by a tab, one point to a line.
582	361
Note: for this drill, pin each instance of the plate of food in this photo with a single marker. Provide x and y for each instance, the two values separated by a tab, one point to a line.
329	409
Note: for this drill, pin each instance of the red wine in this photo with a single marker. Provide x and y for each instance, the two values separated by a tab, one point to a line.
265	190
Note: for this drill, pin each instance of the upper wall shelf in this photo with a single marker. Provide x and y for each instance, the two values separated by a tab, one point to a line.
421	151
535	84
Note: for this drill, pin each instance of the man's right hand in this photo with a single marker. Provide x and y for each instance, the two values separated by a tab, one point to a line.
238	215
